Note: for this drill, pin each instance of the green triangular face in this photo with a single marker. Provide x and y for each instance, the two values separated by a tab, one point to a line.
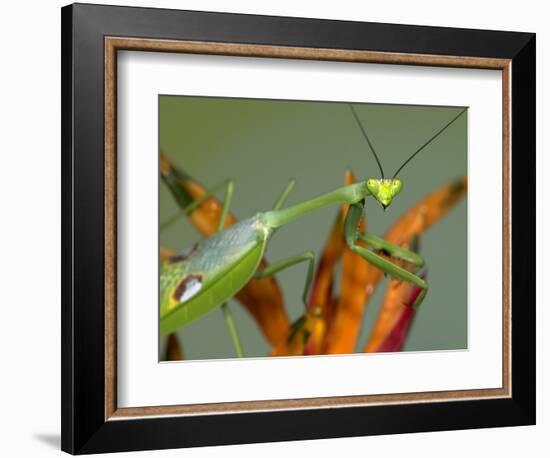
384	189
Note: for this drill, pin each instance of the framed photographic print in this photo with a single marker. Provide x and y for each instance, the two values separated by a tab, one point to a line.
274	221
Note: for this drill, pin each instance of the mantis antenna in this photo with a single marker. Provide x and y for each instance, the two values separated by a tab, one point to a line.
428	142
367	138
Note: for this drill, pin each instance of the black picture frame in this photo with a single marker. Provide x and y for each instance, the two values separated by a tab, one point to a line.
84	426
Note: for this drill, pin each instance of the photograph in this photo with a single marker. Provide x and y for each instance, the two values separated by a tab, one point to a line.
296	228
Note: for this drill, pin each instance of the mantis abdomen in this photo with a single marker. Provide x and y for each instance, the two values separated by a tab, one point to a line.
202	278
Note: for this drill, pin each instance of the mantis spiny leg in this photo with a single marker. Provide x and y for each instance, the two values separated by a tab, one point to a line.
352	235
282	198
286	263
229	187
193	205
228	315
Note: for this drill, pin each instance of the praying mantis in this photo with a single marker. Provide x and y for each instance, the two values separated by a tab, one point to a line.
203	278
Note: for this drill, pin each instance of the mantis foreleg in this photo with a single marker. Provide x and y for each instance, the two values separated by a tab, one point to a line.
286	263
395	251
352	235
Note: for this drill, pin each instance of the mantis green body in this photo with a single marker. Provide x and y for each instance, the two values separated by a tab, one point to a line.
213	270
205	277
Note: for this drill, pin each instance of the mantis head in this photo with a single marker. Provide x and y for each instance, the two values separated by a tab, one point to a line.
384	189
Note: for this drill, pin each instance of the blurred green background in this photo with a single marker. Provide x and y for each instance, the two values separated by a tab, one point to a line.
261	144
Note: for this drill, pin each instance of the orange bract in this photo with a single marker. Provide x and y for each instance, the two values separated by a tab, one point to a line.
426	212
299	334
174	351
344	328
165	253
390	310
321	288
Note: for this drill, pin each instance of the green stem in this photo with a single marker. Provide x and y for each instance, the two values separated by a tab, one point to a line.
232	329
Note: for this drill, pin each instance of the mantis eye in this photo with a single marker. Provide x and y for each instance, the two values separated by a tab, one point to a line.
371	184
396	185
